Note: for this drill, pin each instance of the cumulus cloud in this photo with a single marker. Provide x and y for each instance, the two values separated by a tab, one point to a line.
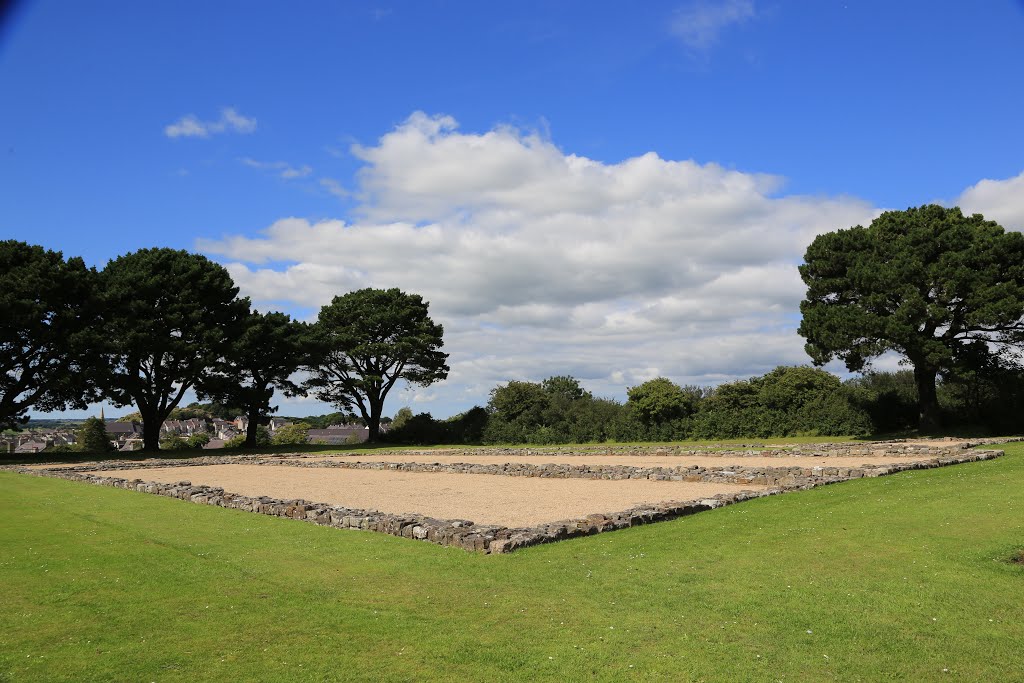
230	121
699	24
542	262
282	169
999	200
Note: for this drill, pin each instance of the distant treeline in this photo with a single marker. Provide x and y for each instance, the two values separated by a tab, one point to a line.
788	401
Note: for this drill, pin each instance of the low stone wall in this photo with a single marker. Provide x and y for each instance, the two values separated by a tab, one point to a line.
488	538
818	473
459	533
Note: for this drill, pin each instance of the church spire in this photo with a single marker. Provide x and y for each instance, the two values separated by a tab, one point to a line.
102	419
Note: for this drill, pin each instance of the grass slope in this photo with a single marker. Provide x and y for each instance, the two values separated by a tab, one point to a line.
904	577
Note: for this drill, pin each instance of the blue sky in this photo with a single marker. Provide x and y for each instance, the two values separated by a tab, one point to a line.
604	189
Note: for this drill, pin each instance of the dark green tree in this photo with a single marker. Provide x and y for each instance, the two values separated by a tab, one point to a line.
47	331
659	400
368	340
266	353
92	437
516	401
924	283
169	319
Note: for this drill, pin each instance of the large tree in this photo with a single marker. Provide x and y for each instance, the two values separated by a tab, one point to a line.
925	283
47	313
169	318
660	400
368	340
266	353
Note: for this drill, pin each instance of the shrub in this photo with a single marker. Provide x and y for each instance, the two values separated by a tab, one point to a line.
295	433
238	441
198	440
173	442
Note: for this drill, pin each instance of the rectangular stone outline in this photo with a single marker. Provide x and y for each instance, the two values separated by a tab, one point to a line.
465	534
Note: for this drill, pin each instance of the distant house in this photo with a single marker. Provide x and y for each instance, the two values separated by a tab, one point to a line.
123	429
278	422
31	447
183	427
122	432
222	429
241	423
214	443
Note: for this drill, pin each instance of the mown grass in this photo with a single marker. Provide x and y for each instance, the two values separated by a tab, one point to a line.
907	577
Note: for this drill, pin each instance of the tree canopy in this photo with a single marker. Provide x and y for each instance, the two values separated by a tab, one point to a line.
169	317
365	342
660	400
263	355
926	283
47	331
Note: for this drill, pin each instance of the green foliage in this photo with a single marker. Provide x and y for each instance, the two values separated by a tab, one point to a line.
403	415
198	440
660	400
174	442
787	401
368	340
924	282
295	433
47	332
464	428
890	398
522	402
169	318
467	427
264	354
238	441
92	437
556	410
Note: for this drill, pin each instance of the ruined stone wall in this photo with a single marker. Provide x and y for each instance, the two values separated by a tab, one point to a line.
495	539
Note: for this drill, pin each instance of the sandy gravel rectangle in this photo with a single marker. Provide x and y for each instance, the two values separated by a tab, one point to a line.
723	462
484	499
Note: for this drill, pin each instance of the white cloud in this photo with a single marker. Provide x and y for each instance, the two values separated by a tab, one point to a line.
283	169
1001	201
700	23
540	262
230	121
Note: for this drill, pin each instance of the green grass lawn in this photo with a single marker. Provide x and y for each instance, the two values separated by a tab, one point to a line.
907	577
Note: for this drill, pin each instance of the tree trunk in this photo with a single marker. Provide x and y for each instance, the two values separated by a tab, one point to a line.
250	429
927	400
373	421
151	433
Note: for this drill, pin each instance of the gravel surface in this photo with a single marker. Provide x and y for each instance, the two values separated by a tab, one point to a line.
484	499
